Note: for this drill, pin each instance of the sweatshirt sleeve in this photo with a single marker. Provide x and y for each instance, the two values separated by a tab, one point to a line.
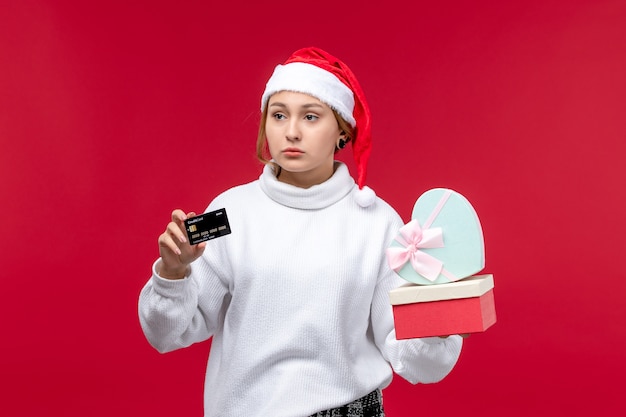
177	313
425	360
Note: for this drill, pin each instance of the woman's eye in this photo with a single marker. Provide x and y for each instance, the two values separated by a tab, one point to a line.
311	117
278	116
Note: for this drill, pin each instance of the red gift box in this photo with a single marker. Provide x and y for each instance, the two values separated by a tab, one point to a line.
465	306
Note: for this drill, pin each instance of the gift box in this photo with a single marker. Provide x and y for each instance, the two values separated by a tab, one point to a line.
439	252
464	306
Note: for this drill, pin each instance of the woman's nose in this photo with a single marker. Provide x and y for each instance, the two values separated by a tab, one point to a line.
293	131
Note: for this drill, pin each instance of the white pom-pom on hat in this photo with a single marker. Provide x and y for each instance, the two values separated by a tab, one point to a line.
365	197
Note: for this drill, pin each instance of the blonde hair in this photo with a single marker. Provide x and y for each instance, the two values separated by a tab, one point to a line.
262	149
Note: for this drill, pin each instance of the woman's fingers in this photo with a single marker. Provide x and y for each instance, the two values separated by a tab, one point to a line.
177	241
175	231
167	241
175	250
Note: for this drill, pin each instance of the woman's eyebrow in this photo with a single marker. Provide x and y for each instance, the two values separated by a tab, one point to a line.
309	105
304	106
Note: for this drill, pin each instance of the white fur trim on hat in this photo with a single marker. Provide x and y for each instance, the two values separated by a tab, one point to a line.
306	78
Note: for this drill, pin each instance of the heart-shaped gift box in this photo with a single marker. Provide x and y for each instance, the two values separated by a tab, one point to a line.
442	243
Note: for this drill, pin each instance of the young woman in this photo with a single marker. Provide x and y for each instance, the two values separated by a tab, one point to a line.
296	297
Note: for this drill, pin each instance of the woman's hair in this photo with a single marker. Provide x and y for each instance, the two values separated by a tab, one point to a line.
262	150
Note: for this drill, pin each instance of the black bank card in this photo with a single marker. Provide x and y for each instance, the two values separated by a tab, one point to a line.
207	226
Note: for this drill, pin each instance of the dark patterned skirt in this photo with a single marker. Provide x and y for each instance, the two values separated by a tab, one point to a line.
369	406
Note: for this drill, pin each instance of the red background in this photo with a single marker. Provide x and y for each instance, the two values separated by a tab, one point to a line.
113	114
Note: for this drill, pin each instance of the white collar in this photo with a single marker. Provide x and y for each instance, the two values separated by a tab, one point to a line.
316	197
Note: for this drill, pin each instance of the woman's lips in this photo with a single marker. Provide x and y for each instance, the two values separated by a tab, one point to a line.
292	152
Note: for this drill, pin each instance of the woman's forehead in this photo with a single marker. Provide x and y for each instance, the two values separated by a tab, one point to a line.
293	98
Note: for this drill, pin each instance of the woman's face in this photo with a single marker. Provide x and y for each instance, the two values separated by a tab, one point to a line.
302	133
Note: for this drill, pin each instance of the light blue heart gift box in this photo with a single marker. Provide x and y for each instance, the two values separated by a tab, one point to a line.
463	252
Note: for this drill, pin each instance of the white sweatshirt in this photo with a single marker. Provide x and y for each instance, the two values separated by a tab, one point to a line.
296	300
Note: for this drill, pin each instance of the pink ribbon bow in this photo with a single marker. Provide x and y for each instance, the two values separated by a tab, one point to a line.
413	238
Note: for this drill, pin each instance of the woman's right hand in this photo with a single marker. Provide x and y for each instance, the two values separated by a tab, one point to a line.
176	252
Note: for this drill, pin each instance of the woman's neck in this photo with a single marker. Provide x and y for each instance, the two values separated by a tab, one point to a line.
305	179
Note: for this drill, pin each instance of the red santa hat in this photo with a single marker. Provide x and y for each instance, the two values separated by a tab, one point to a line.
317	73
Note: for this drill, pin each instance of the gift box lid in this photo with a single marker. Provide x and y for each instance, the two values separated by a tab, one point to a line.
474	286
